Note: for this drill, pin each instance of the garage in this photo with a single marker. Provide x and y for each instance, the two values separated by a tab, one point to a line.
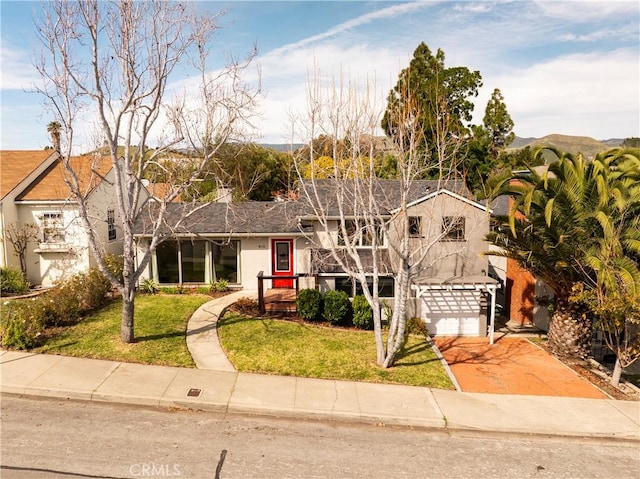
454	306
452	313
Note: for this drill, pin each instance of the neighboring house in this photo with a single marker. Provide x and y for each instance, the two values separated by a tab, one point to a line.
36	193
237	241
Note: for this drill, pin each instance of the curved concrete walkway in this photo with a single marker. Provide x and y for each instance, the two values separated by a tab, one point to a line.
202	332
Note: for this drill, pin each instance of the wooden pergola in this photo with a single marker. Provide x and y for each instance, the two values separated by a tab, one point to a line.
464	283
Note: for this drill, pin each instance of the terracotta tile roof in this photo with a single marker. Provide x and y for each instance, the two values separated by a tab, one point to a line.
16	165
51	184
159	190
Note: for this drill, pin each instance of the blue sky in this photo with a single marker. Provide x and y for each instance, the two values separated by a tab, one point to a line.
563	67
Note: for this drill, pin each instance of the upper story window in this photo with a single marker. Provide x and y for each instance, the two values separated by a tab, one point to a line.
415	226
453	228
111	225
52	228
361	234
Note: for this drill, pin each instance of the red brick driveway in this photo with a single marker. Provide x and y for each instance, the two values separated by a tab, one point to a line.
511	366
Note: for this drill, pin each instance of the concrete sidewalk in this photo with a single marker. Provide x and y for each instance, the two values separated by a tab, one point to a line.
233	392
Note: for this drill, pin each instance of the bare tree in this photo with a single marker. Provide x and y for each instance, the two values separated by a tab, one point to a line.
355	208
19	237
117	64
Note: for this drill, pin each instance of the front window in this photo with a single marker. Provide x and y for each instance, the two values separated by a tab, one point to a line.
197	261
453	228
225	260
353	287
52	228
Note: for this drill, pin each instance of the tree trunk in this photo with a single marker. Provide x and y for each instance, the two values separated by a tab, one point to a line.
127	334
569	331
126	327
396	334
617	373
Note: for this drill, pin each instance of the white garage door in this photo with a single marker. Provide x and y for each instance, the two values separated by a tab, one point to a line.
452	313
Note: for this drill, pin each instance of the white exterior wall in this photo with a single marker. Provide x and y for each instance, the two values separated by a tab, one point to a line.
50	263
8	215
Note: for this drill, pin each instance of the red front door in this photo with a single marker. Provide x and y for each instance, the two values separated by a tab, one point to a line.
282	262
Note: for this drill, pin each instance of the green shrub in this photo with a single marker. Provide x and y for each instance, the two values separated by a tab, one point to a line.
336	307
13	281
203	290
309	304
89	289
416	326
150	286
220	286
20	325
59	305
362	313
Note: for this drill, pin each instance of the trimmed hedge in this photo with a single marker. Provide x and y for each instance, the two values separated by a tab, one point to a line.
336	307
362	313
309	304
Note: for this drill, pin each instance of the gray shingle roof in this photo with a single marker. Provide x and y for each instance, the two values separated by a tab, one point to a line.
387	193
252	217
257	217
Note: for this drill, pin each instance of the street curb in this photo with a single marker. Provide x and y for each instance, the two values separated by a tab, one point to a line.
334	417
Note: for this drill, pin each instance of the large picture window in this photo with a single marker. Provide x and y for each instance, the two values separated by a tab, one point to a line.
197	261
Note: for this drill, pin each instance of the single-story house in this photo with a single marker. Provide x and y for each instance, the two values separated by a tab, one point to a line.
451	288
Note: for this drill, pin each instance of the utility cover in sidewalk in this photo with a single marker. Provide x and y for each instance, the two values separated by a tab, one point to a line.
194	392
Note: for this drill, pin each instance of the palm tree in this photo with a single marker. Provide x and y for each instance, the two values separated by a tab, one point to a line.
565	226
53	128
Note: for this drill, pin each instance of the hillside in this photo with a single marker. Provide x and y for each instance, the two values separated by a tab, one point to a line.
568	144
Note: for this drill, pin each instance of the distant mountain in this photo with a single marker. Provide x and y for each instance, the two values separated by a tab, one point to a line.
282	146
568	144
613	142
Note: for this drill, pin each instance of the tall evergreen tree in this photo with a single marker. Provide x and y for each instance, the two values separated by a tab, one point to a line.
435	100
498	123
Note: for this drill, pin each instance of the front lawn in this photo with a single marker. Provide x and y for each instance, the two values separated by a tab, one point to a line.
160	324
307	350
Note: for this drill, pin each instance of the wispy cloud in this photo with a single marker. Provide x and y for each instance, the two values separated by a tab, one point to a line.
17	72
588	10
384	13
592	94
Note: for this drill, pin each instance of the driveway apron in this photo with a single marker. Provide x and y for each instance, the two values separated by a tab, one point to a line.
511	366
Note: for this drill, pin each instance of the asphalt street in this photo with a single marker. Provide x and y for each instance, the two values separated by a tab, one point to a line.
53	438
